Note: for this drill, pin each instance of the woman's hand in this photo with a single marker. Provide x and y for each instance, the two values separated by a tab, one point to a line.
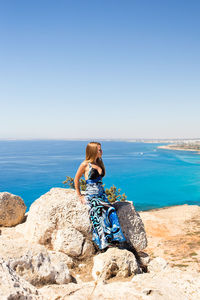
82	199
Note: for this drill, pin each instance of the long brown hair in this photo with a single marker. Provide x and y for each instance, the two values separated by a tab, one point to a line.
91	153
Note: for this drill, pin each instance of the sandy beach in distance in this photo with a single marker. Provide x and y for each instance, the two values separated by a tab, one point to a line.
173	147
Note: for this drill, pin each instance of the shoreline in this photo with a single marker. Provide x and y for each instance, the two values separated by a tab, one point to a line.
171	147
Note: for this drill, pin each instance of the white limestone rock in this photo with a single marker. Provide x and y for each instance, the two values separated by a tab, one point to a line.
39	270
15	287
157	265
61	292
68	240
60	257
60	222
168	284
114	262
14	245
12	209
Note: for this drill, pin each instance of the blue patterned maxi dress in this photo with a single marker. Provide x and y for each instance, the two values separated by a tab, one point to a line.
103	216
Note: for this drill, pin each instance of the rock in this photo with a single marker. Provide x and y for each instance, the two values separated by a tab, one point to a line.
152	292
132	225
144	258
14	245
82	266
88	249
114	290
68	240
114	262
60	222
12	209
59	257
14	287
157	265
169	283
62	292
39	270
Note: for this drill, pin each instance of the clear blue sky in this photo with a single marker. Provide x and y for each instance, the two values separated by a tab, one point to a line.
100	69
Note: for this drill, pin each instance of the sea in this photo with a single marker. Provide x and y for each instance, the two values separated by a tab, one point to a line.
150	177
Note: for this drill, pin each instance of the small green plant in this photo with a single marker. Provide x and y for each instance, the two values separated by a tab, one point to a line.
113	193
70	182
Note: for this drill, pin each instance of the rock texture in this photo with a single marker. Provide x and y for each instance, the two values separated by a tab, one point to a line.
157	265
114	262
12	209
164	282
167	284
14	245
14	287
39	270
132	225
60	222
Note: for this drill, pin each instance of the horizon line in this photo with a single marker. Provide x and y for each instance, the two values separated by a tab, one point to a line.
99	139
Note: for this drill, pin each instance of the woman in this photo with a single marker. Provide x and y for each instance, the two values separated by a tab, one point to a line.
105	223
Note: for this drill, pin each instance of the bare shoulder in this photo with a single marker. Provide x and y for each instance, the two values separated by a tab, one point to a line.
84	164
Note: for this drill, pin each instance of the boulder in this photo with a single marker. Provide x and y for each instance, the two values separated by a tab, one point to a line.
60	257
132	225
14	287
114	262
157	265
12	209
71	242
14	245
60	222
39	269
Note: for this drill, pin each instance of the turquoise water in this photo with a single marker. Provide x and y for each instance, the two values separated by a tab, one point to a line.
150	177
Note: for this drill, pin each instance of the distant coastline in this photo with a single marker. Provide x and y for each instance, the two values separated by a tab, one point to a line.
194	147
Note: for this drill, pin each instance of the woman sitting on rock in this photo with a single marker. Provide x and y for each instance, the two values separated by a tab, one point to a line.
105	223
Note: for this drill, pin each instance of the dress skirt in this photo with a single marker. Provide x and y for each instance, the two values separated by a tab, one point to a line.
103	216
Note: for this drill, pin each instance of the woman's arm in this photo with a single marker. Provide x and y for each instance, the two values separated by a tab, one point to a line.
79	173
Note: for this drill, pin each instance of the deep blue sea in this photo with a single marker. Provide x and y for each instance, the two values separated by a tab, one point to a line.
150	177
